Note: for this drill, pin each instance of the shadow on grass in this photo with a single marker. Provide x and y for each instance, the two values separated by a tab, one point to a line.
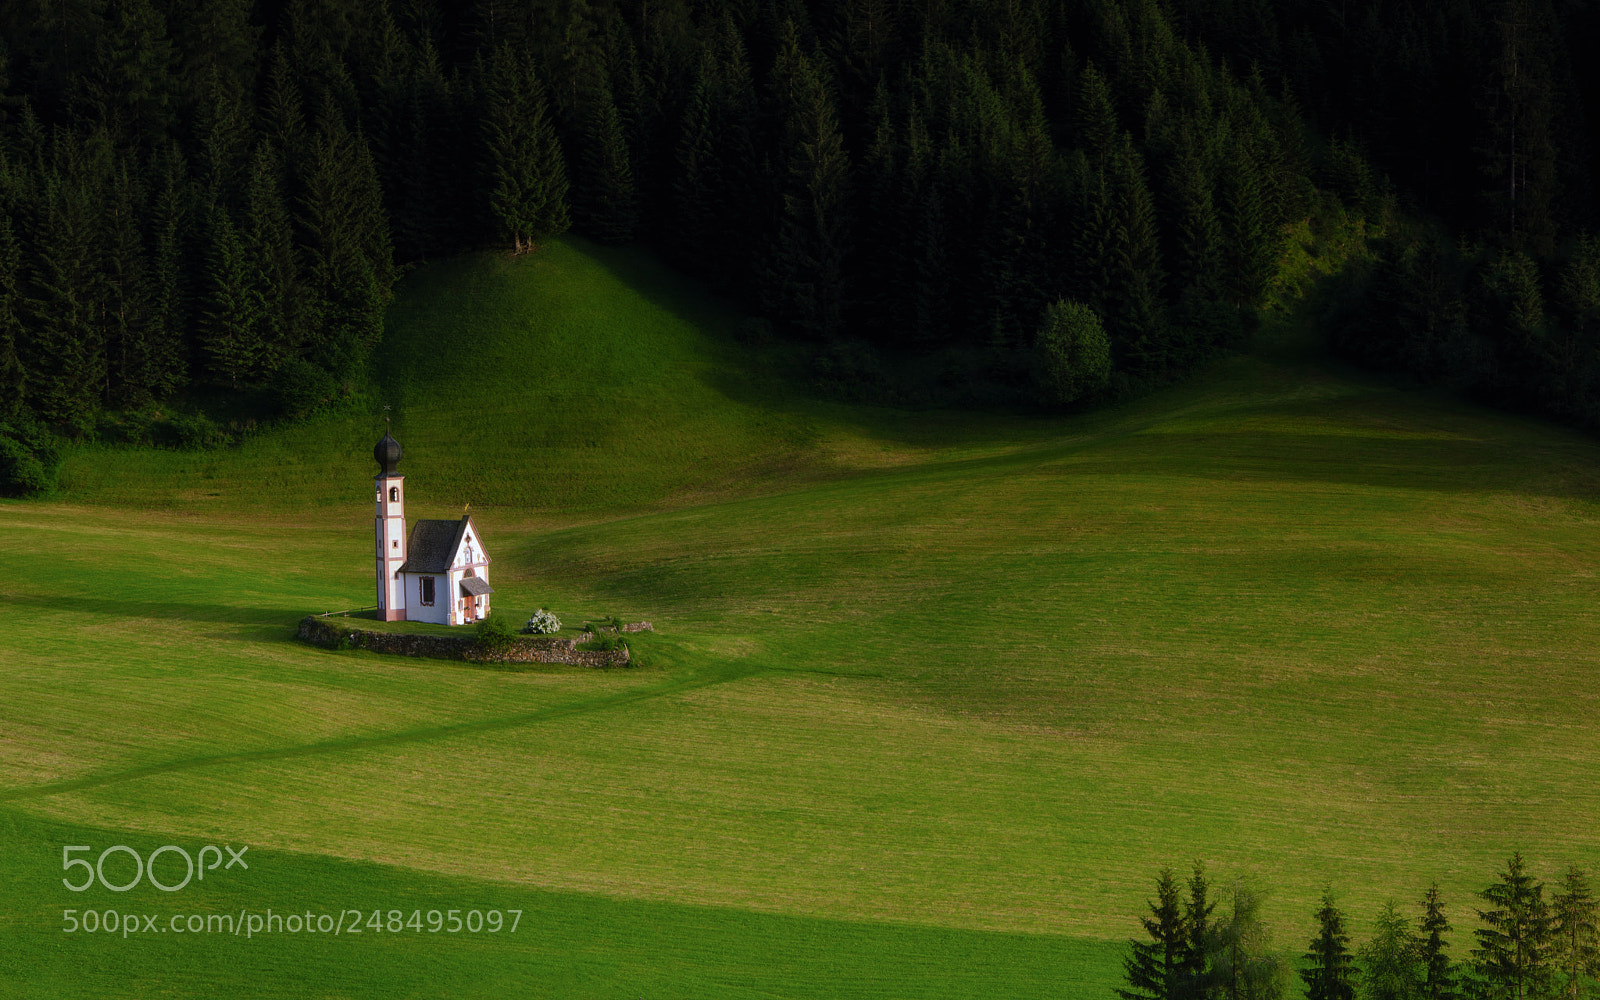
273	624
697	679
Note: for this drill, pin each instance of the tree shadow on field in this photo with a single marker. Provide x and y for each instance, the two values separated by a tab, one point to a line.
270	624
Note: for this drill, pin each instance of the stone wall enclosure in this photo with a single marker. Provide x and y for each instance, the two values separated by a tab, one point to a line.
334	632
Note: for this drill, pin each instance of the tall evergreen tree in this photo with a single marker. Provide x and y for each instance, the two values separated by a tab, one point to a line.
126	266
1518	150
1390	958
65	343
127	87
1575	915
1250	237
1330	972
694	200
1137	319
807	265
268	239
13	376
167	334
528	193
345	241
1196	973
232	309
1438	972
609	199
1151	970
1512	960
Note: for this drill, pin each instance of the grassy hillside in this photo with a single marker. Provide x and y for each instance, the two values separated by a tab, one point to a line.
932	697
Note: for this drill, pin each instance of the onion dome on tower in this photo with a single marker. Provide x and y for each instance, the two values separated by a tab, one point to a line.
387	454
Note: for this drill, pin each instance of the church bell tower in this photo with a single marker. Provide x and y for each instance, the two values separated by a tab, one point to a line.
390	530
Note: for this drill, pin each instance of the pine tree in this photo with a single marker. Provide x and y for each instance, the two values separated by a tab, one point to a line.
1198	263
65	343
1438	972
1095	117
1575	917
1519	154
1094	237
528	194
1331	975
1512	960
1196	974
167	333
126	267
1152	969
1390	958
282	115
127	87
694	200
1250	241
1137	320
609	198
13	376
268	239
345	241
217	48
232	308
807	265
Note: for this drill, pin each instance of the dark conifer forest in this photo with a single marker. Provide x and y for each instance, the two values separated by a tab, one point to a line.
1056	201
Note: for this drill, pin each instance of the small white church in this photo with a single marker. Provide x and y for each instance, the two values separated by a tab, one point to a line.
440	573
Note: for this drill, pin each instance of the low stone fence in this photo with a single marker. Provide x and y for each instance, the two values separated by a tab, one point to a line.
335	633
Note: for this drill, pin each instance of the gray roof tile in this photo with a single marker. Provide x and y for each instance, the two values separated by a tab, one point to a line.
433	545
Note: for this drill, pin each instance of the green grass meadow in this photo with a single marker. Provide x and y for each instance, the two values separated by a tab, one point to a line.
931	698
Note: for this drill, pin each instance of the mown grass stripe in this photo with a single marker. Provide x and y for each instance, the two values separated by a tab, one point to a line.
421	735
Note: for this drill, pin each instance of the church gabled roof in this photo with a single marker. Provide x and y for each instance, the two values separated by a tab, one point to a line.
433	545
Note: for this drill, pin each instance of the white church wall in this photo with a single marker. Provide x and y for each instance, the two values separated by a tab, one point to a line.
416	611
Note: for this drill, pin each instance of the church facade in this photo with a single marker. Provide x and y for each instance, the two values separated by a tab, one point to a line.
439	572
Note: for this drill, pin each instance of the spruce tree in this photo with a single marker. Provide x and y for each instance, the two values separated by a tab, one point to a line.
64	340
232	309
528	180
1331	973
1151	969
1198	265
807	263
1196	973
1250	240
167	334
268	238
13	376
1390	958
1438	972
1095	118
693	200
1137	307
1575	917
345	242
609	199
1512	960
127	271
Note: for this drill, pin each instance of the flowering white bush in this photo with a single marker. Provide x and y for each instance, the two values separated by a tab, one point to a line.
542	623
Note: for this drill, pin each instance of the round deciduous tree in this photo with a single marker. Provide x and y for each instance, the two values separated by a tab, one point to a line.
1075	355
